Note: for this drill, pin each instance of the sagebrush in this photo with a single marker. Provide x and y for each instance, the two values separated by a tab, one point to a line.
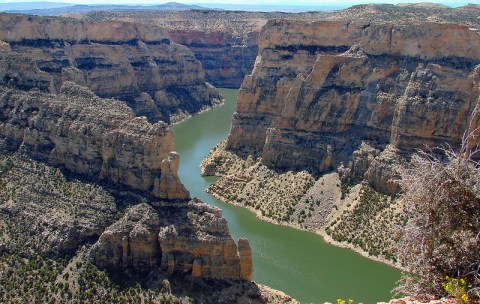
441	237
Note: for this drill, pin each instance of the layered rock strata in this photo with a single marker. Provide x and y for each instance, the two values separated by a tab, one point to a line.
188	238
42	212
136	63
333	104
321	89
101	139
90	136
226	42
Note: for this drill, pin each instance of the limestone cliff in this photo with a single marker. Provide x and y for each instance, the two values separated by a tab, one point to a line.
99	139
179	238
321	89
136	63
45	213
90	136
333	111
226	42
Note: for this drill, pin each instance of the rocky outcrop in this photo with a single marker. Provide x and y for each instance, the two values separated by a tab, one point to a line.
90	136
182	238
319	90
226	56
130	242
43	212
167	186
246	264
409	300
226	42
136	63
101	139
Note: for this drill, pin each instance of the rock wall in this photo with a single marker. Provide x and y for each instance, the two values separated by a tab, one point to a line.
182	238
225	42
226	58
321	89
102	140
136	63
49	118
90	136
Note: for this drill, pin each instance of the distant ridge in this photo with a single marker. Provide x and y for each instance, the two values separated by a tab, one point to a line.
31	5
61	8
58	8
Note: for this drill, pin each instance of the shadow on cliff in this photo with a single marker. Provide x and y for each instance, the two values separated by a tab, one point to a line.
198	290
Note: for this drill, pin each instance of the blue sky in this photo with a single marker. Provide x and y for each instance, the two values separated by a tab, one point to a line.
256	2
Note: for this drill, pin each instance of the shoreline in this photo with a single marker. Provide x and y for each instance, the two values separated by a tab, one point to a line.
178	118
328	239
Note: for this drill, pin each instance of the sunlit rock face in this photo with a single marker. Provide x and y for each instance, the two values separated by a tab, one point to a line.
188	238
133	62
51	112
320	89
91	136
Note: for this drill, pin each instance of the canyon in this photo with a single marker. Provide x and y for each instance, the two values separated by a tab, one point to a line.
85	178
226	42
328	115
136	63
102	140
332	113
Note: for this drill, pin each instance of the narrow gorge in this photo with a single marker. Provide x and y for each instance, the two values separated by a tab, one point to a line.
97	205
87	180
136	63
333	111
226	42
296	262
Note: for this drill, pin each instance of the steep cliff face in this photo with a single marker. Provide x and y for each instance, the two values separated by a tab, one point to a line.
133	62
90	136
101	140
226	42
225	56
182	238
43	212
321	89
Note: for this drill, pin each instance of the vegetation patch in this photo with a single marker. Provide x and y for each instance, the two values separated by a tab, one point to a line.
44	280
371	224
439	244
43	212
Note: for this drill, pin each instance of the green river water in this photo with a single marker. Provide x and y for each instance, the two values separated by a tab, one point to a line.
298	263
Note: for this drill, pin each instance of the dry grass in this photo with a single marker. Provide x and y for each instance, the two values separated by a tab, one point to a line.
441	237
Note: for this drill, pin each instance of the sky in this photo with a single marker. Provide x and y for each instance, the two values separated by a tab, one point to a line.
256	2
